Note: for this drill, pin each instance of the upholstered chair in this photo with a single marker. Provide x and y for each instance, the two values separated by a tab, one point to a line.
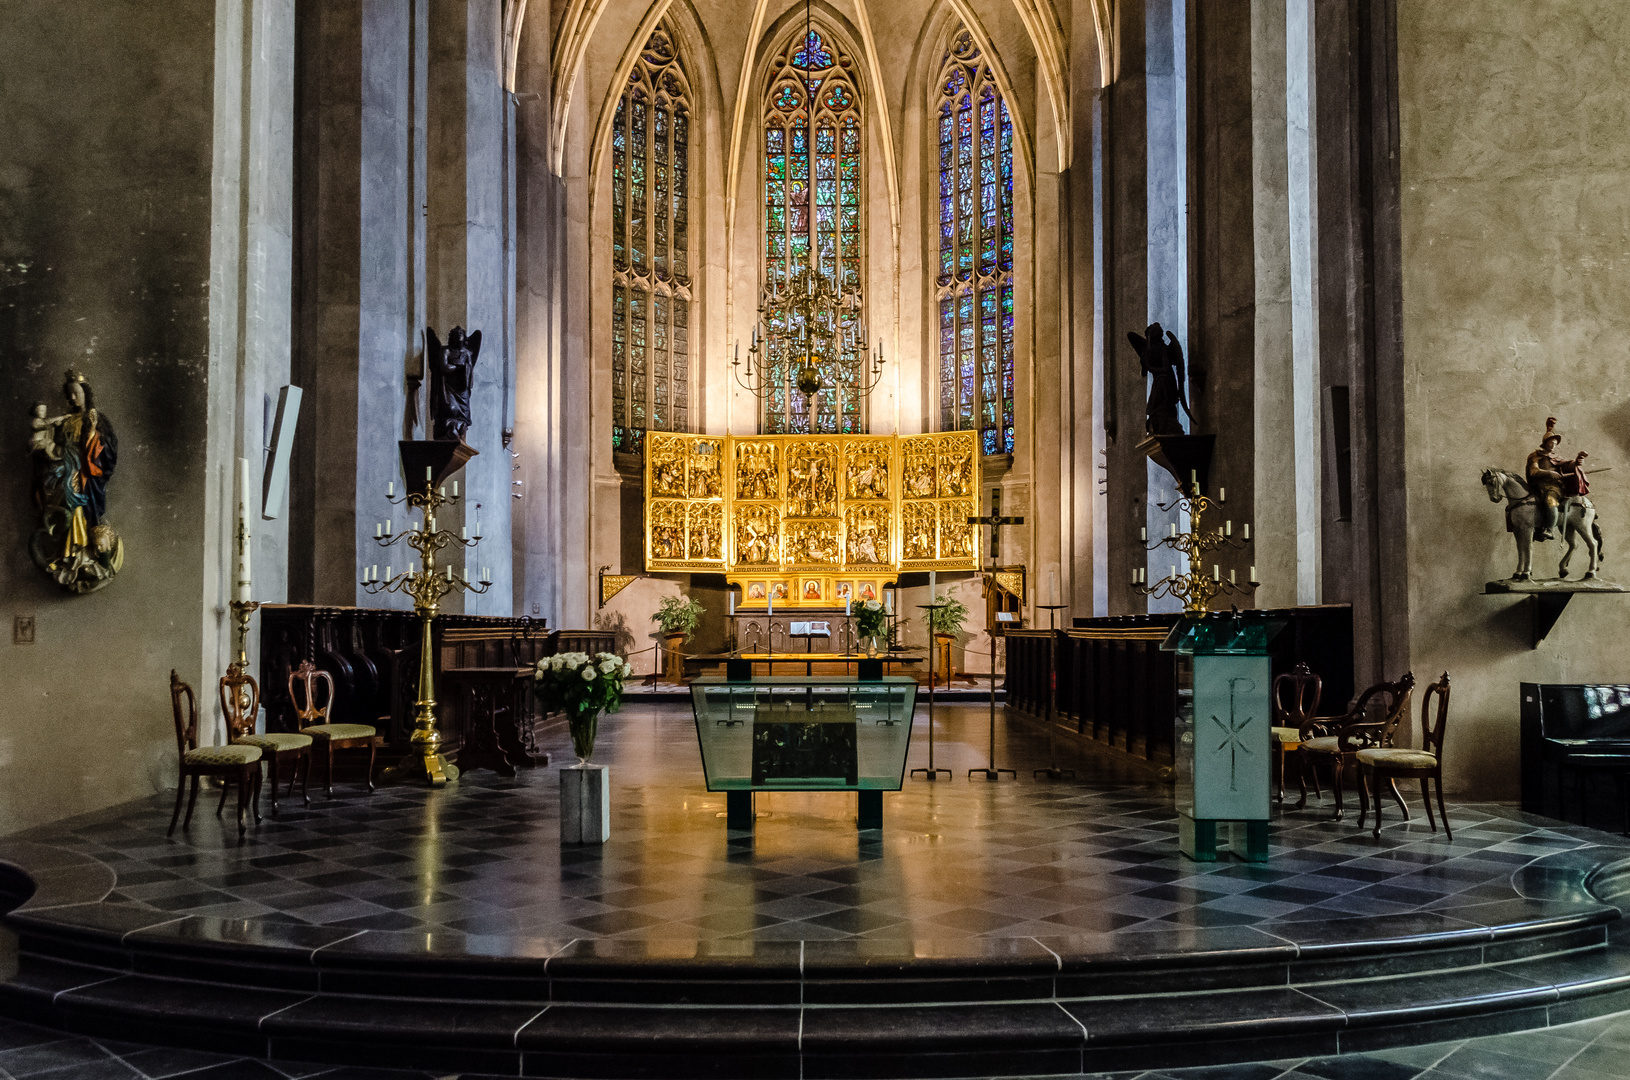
1338	739
228	762
314	721
240	703
1391	763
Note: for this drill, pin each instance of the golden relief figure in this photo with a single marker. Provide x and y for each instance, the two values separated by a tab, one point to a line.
866	469
866	539
667	465
920	521
704	470
758	470
812	543
921	462
956	478
758	536
812	479
705	530
956	535
667	530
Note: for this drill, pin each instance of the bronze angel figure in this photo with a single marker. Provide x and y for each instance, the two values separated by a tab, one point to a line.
452	374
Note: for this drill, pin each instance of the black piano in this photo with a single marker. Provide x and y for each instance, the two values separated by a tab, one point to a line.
1580	728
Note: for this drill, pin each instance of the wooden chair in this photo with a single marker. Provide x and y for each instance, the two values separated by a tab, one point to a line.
240	703
242	762
329	737
1394	763
1340	738
1296	696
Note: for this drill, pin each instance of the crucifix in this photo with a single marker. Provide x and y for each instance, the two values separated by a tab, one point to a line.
995	520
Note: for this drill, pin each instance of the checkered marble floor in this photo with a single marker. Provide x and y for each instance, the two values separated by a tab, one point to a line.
1025	858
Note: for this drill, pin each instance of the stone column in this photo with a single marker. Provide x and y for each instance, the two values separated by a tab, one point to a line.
357	291
468	267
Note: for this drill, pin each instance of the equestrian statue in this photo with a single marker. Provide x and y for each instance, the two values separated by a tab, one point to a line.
1552	496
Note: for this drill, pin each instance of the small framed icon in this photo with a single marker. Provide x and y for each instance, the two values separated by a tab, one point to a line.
779	590
845	591
868	591
812	589
757	590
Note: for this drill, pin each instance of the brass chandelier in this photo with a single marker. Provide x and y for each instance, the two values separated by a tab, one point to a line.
809	318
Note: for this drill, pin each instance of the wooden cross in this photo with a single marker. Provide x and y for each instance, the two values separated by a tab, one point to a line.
995	520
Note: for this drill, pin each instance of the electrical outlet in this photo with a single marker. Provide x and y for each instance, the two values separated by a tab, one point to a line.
22	630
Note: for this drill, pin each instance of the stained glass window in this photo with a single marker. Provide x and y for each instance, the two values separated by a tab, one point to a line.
650	249
833	129
975	281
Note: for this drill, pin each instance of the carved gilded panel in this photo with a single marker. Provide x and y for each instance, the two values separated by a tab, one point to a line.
920	468
956	465
956	535
705	469
758	469
666	523
666	465
704	526
866	469
758	535
919	532
867	535
812	543
812	479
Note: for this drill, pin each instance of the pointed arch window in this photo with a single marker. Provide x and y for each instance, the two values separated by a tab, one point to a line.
834	110
650	249
975	280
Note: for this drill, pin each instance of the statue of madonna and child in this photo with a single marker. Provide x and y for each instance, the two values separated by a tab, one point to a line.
74	454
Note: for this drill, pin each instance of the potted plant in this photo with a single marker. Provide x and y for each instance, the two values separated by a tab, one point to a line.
583	687
871	623
945	623
678	617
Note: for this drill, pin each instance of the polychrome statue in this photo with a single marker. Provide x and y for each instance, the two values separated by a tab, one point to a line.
74	456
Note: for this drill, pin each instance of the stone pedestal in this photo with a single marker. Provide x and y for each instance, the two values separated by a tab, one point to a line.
585	804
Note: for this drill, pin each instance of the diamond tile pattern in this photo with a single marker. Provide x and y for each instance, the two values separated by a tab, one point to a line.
956	858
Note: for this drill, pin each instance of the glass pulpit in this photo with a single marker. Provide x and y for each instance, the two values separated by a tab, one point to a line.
804	734
1223	738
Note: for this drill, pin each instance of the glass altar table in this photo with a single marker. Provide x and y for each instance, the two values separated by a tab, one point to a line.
804	734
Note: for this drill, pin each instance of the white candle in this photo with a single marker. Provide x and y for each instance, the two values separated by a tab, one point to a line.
888	601
387	526
486	578
1174	528
388	574
1247	527
241	590
455	489
466	575
1216	572
1231	579
933	586
1228	528
1222	494
1172	572
379	530
442	491
373	572
847	610
390	490
449	571
463	532
428	475
1253	575
1143	534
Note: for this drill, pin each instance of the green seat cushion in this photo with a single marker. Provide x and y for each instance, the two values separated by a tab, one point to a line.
275	741
1398	759
340	731
1324	744
223	755
1287	734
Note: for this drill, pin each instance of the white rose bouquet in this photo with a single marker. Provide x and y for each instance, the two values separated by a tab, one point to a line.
871	619
582	686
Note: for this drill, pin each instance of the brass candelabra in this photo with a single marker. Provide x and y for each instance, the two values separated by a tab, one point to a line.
1195	588
426	586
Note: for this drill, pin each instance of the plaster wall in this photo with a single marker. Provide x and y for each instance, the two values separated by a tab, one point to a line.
1516	306
105	209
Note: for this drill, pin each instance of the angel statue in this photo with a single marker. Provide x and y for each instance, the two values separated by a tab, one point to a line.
1161	357
74	457
452	374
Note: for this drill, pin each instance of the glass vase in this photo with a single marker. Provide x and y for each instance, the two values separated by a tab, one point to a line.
583	724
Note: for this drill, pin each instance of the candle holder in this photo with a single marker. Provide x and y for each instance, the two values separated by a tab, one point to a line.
427	587
1195	588
242	612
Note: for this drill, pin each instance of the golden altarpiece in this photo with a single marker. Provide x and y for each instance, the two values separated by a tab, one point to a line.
810	521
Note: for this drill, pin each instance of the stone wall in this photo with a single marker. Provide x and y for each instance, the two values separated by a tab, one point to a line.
105	202
1515	212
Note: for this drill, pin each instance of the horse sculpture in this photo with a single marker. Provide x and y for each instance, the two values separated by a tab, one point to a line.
1578	519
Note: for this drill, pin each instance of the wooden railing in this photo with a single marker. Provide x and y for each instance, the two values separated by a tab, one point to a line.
1108	680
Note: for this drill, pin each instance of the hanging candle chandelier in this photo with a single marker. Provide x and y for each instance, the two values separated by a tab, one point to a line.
807	320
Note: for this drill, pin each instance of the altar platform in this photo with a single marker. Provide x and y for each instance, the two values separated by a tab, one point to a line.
1014	928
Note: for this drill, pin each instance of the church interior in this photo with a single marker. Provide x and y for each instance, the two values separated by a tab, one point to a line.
815	538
